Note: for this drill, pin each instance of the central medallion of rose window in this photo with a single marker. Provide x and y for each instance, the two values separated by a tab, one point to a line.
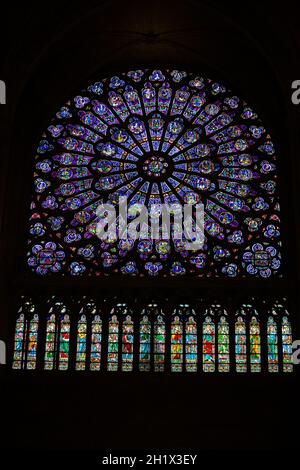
155	166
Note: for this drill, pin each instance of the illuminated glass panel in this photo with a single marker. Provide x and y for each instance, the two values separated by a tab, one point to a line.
176	345
156	136
240	345
127	344
32	342
145	344
223	345
19	344
191	356
81	343
159	344
272	345
50	348
255	347
64	339
286	335
152	339
208	356
96	338
113	344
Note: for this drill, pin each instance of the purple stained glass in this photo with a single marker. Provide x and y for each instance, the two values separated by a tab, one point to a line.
155	136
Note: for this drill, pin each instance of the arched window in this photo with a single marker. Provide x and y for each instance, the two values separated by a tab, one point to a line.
120	335
286	336
176	344
240	345
280	336
89	337
64	338
152	337
159	343
113	344
20	334
81	343
255	347
26	338
184	339
57	338
96	346
223	345
50	342
208	356
145	344
127	344
272	335
32	342
191	344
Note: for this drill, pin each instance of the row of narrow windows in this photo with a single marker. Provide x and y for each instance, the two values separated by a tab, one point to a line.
185	341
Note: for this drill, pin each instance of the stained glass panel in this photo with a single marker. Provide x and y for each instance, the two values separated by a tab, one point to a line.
50	347
191	345
240	345
32	342
81	343
64	339
113	344
286	335
208	356
176	345
96	339
159	344
223	345
156	136
272	335
19	344
145	344
255	348
127	344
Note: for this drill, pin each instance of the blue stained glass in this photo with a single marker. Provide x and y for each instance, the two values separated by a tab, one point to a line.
156	136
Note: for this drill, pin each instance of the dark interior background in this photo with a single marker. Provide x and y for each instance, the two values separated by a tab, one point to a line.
47	55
